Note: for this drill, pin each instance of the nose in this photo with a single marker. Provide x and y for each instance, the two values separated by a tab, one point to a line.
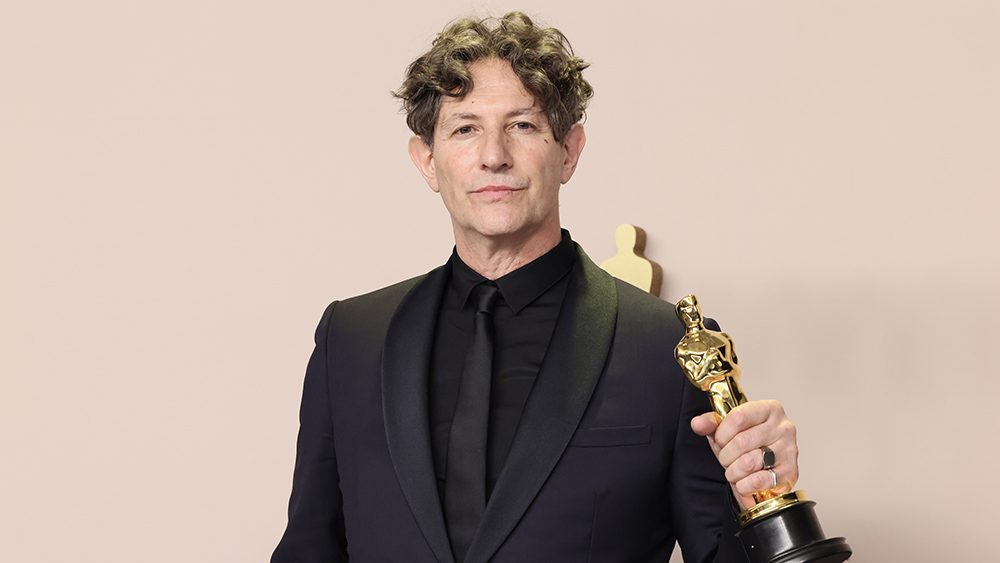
495	153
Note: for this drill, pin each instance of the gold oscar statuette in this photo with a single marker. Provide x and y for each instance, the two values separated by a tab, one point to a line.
782	527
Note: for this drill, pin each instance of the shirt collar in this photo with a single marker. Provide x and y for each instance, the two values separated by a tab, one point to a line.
525	284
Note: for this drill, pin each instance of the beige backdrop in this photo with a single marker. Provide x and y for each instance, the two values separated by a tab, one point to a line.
186	184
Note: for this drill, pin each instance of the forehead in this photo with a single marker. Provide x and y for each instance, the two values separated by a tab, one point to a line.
495	88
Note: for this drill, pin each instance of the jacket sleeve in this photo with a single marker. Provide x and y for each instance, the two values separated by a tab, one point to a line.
315	531
703	508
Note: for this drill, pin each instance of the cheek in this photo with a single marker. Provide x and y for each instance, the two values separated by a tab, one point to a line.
452	171
451	192
553	168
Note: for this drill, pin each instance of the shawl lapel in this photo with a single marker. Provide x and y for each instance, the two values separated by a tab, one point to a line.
405	364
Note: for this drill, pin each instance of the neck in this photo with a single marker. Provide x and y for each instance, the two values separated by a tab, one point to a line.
494	257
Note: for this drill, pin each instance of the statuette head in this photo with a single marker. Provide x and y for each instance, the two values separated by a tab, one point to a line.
689	313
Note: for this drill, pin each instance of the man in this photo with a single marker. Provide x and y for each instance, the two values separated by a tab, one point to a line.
516	404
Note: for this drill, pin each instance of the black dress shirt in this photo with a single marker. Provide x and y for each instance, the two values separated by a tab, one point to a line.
524	318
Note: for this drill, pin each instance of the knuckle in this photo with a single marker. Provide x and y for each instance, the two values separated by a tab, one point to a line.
721	437
724	457
736	418
741	442
744	487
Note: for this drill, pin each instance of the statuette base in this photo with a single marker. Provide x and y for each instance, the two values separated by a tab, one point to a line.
791	534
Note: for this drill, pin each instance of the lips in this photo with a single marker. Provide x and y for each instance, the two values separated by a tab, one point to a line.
496	193
496	189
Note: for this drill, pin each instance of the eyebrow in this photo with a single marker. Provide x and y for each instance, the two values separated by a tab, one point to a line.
475	116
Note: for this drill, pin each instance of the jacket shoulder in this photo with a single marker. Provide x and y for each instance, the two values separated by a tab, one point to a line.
635	302
389	294
367	315
632	299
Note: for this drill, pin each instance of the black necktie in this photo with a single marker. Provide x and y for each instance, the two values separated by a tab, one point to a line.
465	480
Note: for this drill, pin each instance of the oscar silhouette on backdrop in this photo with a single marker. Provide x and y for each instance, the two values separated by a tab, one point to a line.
629	264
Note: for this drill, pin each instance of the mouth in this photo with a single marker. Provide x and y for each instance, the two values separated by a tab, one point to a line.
495	193
496	189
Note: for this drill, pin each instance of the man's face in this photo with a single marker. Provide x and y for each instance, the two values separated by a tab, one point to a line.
495	161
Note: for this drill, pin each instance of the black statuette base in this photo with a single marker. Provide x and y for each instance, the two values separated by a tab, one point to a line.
791	535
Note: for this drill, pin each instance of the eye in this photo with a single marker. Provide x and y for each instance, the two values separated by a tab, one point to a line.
524	126
463	130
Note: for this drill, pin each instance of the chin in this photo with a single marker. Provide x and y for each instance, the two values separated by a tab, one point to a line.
501	225
497	232
496	224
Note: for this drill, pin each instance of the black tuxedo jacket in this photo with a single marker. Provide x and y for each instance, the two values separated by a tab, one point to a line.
604	466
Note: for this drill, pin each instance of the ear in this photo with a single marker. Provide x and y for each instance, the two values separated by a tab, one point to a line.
423	159
573	144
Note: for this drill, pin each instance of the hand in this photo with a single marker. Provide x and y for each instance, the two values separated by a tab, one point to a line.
737	442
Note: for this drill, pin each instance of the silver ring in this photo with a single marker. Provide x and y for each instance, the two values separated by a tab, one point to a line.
774	478
768	457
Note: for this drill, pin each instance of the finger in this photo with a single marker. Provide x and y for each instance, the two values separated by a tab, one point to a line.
747	415
705	424
785	454
745	465
786	477
762	481
777	432
746	442
745	501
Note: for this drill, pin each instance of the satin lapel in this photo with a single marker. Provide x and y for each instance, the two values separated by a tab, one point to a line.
572	366
405	363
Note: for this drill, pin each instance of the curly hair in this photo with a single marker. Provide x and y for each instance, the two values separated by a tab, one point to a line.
541	57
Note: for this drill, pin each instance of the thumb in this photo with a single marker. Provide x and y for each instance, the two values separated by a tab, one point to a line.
705	424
